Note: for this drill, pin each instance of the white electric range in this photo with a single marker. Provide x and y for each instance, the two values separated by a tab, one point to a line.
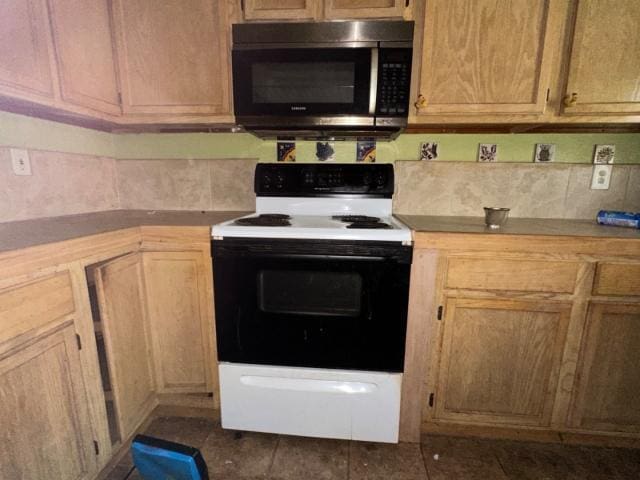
311	299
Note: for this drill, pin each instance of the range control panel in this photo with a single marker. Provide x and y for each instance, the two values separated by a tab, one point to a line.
394	78
311	180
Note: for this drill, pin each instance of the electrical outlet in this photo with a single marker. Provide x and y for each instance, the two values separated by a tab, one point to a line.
20	161
601	177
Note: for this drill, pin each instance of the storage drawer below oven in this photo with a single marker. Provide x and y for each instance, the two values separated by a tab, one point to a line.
311	402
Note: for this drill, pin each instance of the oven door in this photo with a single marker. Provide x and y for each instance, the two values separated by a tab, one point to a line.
303	82
323	304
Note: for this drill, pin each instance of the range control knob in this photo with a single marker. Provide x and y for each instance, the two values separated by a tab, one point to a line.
381	179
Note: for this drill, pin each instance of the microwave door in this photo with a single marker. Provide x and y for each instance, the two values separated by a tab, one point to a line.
302	82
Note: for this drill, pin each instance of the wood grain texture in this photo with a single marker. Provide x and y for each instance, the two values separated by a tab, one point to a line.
500	361
84	48
471	242
607	383
617	279
505	274
172	59
176	297
281	9
25	49
420	325
346	9
30	306
45	427
120	289
604	66
487	56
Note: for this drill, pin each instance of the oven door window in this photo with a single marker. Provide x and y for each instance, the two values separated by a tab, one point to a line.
302	81
310	293
311	311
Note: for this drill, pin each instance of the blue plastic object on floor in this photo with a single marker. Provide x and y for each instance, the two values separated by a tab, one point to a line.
157	459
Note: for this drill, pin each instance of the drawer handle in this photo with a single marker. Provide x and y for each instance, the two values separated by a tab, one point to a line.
307	384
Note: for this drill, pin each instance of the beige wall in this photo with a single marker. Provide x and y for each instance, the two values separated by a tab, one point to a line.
64	183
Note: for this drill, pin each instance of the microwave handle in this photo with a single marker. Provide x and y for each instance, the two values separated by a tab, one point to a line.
373	86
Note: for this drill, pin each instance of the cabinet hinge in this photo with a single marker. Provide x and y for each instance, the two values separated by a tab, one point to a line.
440	310
548	91
242	5
79	342
96	448
431	399
406	3
120	98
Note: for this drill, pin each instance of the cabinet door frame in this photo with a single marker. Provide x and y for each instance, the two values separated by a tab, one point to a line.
132	110
251	11
550	43
128	416
563	308
68	93
575	57
63	334
205	318
396	11
585	361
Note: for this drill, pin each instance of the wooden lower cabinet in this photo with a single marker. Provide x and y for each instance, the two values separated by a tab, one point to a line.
43	411
179	318
607	389
500	360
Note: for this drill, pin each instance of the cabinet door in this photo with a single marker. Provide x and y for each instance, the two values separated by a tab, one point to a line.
25	48
604	67
281	9
84	47
45	425
486	56
338	9
608	383
180	319
120	295
500	360
173	58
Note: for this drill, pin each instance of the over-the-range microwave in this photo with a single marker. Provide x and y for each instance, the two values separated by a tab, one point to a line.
322	79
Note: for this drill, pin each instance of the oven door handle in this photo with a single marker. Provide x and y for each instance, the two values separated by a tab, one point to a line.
309	256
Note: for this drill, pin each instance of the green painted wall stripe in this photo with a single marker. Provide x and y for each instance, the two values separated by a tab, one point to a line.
26	132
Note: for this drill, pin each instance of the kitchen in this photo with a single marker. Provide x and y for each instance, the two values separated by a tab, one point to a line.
125	112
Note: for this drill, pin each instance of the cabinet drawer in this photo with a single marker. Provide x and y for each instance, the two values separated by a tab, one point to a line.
519	275
32	305
617	279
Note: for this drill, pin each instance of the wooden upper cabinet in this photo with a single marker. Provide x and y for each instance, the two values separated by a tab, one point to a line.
337	9
84	47
120	289
500	361
25	49
173	57
281	9
608	385
487	56
181	320
604	66
46	431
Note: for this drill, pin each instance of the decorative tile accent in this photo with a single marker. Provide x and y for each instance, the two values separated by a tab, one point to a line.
488	152
545	153
428	151
604	154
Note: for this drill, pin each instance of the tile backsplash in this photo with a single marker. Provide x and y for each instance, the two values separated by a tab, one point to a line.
65	183
530	190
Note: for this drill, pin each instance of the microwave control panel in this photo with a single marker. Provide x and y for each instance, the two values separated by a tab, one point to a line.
394	78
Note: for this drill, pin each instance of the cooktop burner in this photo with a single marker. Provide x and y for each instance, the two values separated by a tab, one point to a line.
355	218
265	220
375	225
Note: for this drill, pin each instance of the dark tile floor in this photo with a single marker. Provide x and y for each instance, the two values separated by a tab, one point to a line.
254	456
